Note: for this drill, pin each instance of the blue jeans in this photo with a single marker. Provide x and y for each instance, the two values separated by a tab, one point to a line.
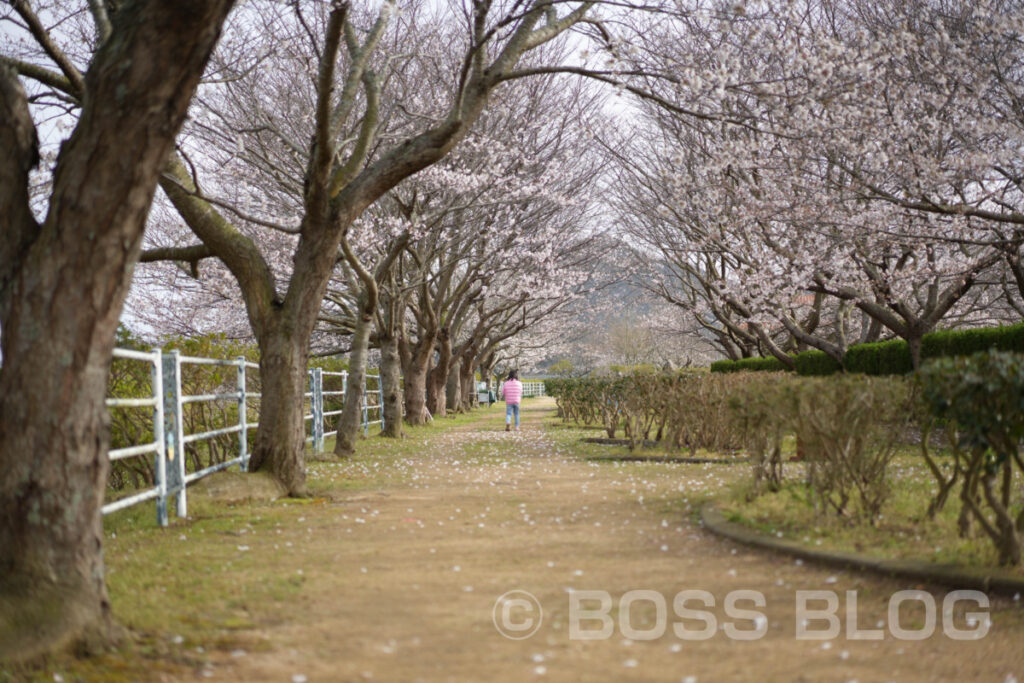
510	410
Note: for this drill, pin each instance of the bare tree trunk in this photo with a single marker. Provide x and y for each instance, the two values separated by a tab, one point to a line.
436	403
416	384
467	383
914	342
53	451
391	387
437	380
283	331
280	437
351	416
487	371
416	412
62	286
454	387
871	329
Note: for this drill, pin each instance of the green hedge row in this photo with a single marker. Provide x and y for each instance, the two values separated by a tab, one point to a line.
769	364
967	342
879	358
889	357
816	363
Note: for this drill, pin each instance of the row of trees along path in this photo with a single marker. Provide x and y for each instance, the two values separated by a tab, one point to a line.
126	73
359	116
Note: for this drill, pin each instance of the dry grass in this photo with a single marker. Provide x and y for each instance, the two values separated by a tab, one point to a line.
903	532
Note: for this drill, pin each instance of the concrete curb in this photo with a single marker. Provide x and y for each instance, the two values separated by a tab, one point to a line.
955	577
666	459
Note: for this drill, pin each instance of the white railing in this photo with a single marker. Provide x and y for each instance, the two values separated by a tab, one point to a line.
318	415
166	401
170	474
531	389
157	446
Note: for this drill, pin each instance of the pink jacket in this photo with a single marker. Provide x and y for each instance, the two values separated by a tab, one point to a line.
512	391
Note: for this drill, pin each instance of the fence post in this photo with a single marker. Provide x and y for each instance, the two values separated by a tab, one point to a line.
312	411
317	403
380	400
174	429
366	410
156	379
243	432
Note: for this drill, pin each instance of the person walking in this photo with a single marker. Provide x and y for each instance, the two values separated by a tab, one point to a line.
512	392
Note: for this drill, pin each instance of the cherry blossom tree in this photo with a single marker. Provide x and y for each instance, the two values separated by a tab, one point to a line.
360	102
113	84
494	239
865	152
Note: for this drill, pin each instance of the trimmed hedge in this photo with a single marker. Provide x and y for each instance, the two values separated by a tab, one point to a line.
723	366
767	364
967	342
816	363
879	358
890	357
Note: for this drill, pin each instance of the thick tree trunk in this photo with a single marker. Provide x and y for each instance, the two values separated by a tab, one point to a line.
391	387
62	286
53	457
487	372
914	342
437	380
454	388
416	390
351	419
280	438
436	403
467	383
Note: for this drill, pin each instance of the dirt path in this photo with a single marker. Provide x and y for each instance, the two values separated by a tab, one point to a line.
400	583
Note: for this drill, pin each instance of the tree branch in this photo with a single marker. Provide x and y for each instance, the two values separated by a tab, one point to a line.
19	154
41	74
39	32
367	130
102	19
239	253
324	149
191	255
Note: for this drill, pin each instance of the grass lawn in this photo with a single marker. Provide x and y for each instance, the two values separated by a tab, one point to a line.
904	530
240	538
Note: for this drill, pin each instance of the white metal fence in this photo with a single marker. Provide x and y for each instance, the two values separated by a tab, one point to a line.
158	446
166	400
531	389
317	393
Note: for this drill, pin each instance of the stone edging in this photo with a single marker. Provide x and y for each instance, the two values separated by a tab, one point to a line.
944	575
663	459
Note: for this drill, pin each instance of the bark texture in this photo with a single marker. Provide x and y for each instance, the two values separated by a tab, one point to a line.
437	378
416	389
467	383
391	387
454	387
284	374
62	286
349	422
